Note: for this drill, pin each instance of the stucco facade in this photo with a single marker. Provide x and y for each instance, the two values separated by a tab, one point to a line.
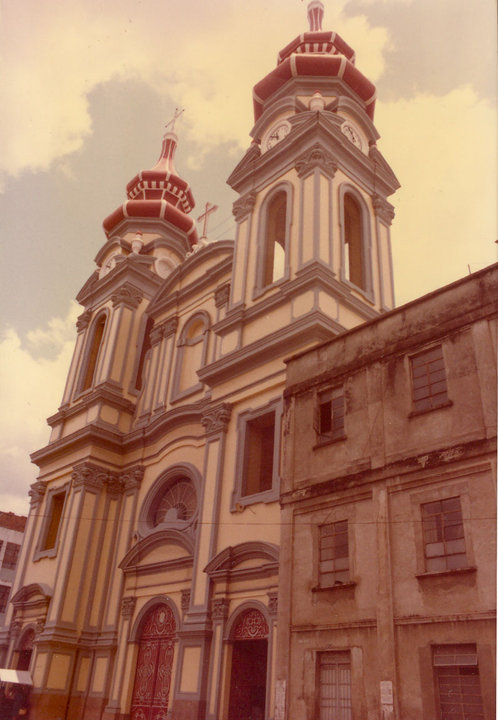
387	582
149	574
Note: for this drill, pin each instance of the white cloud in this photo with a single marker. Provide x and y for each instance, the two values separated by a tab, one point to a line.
204	58
31	389
445	159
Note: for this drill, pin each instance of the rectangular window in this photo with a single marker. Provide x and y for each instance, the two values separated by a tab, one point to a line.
51	529
4	596
11	556
330	420
334	691
444	541
429	380
259	452
457	679
334	554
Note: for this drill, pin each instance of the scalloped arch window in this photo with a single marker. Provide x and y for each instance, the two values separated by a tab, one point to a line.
177	503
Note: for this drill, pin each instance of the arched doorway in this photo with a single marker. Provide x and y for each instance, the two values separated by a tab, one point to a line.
249	665
154	664
25	650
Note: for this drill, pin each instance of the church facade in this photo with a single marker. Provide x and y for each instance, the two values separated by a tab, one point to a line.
148	585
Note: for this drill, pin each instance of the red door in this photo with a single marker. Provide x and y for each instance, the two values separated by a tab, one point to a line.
154	663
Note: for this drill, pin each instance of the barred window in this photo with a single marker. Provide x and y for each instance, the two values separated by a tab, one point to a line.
11	556
334	554
429	380
457	679
444	540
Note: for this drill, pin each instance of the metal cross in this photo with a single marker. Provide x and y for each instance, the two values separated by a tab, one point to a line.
176	115
205	215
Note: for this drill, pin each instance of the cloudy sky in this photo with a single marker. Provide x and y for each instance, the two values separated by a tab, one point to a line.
87	86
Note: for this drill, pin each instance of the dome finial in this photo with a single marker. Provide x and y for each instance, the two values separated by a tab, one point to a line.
315	15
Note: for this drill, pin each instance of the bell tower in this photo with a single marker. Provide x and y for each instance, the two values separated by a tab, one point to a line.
313	219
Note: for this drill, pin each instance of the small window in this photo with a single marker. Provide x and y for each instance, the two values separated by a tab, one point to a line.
330	416
259	454
457	678
4	596
257	463
334	554
11	556
444	540
334	686
429	380
51	529
146	345
178	503
191	355
97	334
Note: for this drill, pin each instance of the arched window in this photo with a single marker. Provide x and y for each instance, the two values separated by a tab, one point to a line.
275	231
356	241
191	355
93	351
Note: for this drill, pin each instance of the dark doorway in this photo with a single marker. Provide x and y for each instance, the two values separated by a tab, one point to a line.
248	680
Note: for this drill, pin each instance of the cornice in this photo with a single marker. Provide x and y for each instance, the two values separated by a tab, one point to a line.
164	330
315	326
321	129
222	295
106	392
161	424
316	157
315	275
128	272
97	434
89	476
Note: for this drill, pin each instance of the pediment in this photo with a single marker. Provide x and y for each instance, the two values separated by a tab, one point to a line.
247	559
34	595
166	547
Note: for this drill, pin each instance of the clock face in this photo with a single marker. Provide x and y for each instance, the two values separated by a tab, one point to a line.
277	133
352	134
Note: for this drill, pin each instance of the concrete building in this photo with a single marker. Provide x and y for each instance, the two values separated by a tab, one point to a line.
148	585
387	576
11	537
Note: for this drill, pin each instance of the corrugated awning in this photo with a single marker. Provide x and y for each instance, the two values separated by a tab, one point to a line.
21	677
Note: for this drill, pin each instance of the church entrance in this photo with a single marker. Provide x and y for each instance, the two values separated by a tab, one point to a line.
249	666
154	664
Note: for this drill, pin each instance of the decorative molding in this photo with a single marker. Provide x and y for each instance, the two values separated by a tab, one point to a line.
222	295
251	625
316	157
128	606
185	600
170	326
273	603
15	628
156	335
39	626
383	209
215	419
91	476
220	609
127	295
114	485
36	493
83	320
244	205
132	479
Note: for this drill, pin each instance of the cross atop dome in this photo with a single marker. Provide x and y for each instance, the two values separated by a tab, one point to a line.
315	15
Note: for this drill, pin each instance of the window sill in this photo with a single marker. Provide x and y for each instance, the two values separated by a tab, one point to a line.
415	413
331	441
239	504
452	571
339	586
